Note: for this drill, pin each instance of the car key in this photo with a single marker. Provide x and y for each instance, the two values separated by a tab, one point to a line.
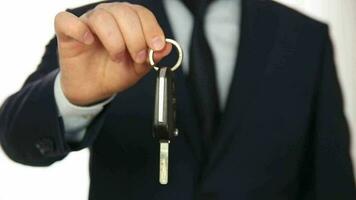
164	125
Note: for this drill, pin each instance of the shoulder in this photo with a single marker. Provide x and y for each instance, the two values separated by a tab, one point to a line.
287	15
83	9
296	23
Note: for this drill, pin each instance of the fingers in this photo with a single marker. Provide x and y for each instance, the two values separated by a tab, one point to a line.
105	27
124	30
130	26
68	27
126	26
152	31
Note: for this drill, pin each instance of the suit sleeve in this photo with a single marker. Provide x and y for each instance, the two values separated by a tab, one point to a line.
75	118
31	131
331	174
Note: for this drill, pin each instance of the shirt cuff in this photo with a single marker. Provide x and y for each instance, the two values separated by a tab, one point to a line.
67	109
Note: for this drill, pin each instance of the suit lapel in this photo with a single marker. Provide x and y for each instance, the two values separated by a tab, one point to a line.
257	38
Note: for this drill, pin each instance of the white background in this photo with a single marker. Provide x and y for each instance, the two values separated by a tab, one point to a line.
26	27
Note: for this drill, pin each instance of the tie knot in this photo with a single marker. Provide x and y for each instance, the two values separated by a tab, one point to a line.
197	7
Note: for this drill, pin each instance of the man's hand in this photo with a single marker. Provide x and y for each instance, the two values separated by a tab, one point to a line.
105	51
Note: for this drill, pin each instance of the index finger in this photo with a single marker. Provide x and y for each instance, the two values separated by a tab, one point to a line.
153	32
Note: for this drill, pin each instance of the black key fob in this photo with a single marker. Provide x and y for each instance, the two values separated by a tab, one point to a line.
164	125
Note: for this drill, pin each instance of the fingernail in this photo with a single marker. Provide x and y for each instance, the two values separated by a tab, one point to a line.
157	43
88	38
141	56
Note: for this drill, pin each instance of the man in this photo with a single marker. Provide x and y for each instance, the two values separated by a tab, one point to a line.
271	126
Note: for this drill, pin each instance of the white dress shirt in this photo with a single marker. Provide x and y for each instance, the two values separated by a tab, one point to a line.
222	27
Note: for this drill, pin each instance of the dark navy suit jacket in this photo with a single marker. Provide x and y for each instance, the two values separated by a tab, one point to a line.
283	134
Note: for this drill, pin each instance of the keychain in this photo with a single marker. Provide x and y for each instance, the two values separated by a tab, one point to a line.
164	125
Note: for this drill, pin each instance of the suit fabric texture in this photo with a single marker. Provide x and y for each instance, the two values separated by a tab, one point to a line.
282	136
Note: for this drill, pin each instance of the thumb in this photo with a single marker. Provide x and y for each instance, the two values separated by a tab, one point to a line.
143	69
159	55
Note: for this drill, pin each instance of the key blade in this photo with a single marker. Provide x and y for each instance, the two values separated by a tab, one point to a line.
163	162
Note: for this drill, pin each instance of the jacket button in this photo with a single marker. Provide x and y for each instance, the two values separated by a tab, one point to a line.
45	146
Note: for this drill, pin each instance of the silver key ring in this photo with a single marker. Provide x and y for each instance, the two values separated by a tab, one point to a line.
180	56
